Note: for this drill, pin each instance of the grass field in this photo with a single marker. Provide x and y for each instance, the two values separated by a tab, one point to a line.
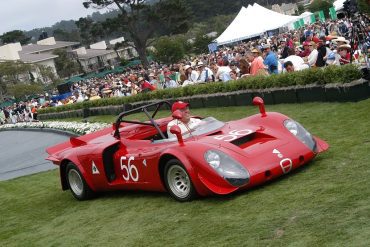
327	203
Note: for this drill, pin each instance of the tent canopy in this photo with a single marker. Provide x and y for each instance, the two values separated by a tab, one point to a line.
338	5
253	21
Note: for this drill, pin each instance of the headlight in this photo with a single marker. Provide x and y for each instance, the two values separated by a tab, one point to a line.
301	133
231	170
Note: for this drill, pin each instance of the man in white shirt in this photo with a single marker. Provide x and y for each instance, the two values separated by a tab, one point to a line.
186	123
205	73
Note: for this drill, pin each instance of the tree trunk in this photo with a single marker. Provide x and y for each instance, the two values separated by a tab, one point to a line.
142	55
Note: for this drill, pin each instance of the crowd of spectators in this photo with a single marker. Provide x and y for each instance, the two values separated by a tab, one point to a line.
314	46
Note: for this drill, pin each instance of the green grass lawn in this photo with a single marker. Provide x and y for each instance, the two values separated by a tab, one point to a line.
327	203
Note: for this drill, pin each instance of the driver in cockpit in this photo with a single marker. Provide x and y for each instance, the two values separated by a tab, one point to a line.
186	123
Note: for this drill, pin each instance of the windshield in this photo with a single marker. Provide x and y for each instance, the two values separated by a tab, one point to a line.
207	125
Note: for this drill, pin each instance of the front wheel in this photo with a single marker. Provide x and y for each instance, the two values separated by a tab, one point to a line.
178	182
77	184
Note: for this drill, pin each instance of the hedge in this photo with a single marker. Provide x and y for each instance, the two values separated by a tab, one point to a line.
327	75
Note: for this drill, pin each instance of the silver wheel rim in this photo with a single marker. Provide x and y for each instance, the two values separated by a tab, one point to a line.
178	181
75	182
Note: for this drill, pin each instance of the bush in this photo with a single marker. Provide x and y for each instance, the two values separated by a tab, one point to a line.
331	74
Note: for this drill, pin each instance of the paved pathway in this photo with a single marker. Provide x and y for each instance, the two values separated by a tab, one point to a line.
23	152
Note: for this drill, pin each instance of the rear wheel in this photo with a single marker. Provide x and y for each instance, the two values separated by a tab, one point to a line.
77	184
178	181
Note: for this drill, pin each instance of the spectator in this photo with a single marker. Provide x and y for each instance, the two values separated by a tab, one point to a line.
345	54
169	83
270	60
321	54
311	59
257	67
145	86
244	67
221	72
234	75
306	49
191	75
206	75
297	61
289	67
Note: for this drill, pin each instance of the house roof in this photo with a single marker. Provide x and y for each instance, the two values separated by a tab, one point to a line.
34	58
34	48
90	53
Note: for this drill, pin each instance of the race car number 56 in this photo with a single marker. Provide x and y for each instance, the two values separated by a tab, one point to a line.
234	134
129	171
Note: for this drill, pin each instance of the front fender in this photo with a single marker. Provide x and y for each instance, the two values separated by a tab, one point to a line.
204	178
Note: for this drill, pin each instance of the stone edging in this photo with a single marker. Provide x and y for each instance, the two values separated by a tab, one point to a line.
56	131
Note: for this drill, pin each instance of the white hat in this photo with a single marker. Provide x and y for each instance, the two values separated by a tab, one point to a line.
340	39
200	64
345	46
186	67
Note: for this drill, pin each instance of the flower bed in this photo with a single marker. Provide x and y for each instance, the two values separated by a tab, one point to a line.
75	127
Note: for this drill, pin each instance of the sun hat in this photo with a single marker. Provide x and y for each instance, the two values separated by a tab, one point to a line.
340	39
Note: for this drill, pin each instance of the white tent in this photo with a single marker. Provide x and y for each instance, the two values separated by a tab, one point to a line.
306	16
253	21
338	5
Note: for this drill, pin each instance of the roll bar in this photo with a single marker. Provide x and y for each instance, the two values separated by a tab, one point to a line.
141	109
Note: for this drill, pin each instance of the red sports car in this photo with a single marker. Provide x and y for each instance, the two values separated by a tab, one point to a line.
215	158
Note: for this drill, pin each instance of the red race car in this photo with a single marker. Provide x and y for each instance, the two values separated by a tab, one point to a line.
214	158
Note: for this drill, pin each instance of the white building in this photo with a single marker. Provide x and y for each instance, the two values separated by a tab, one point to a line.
286	9
40	54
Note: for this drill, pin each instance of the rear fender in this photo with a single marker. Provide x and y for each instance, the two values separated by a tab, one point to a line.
63	173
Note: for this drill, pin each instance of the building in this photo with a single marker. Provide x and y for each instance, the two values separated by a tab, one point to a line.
40	54
100	56
286	9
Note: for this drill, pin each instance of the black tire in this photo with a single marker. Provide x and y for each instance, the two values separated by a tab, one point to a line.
77	184
178	181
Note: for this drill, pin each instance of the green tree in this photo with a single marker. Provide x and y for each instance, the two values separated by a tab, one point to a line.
144	19
364	6
65	66
62	35
300	9
318	5
201	43
22	91
15	36
11	73
85	25
169	50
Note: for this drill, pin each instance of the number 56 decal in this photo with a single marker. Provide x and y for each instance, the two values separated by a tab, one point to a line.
234	134
129	171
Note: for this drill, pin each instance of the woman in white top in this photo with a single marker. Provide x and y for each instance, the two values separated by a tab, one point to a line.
311	59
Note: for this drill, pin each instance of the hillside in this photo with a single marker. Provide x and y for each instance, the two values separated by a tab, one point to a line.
201	10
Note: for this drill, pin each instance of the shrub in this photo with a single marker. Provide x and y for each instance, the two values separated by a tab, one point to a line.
331	74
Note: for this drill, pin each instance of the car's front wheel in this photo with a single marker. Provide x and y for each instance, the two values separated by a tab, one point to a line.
178	181
77	184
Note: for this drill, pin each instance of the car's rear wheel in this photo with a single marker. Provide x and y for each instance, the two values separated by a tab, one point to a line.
77	184
178	181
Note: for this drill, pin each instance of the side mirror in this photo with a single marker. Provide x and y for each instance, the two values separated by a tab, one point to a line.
177	131
177	115
259	101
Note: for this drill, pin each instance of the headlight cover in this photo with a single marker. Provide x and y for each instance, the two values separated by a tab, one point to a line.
231	170
301	133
